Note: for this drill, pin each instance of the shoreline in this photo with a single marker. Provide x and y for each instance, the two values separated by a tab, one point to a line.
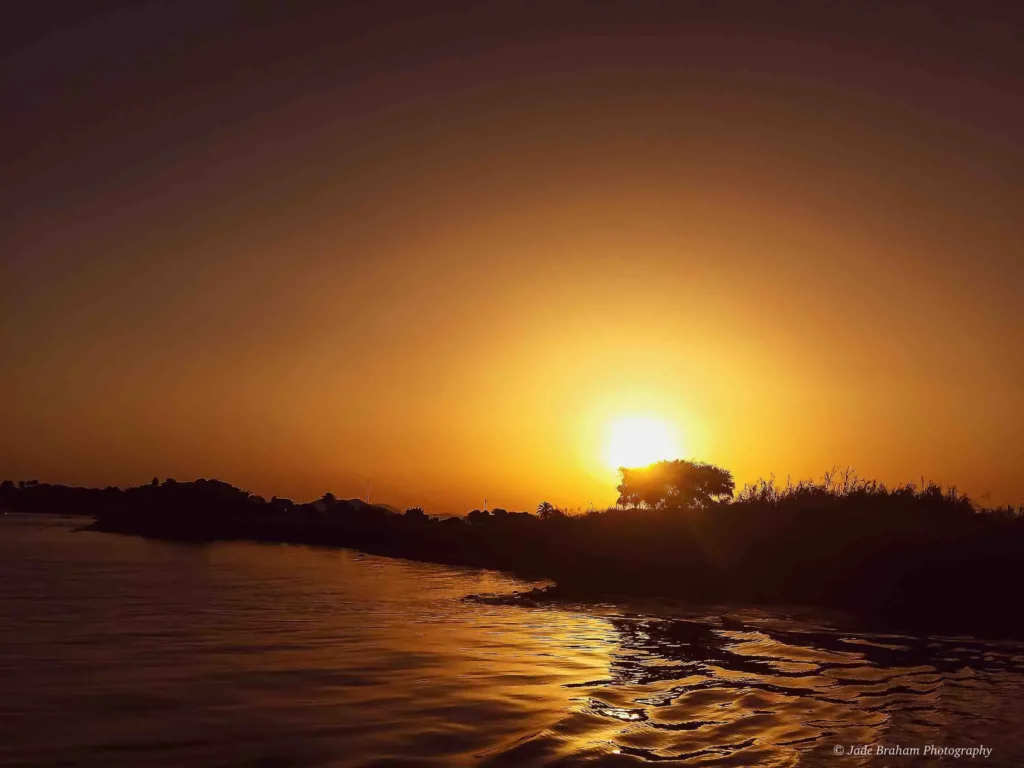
918	558
906	623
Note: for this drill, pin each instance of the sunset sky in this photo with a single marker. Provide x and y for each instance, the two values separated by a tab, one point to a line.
445	247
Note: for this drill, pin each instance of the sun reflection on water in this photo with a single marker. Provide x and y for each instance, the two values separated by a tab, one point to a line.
165	655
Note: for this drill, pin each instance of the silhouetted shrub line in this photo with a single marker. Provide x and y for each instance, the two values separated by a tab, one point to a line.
917	554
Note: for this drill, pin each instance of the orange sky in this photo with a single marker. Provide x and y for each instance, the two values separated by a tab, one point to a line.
442	252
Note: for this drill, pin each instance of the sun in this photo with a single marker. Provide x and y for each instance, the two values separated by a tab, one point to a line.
636	441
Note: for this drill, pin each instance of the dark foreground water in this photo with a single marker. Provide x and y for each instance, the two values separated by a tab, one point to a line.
117	651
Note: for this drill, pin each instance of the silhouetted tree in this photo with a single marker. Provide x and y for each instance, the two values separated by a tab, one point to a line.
675	484
415	514
478	517
556	514
548	511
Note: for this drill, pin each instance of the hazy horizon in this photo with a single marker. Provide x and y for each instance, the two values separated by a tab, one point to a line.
297	249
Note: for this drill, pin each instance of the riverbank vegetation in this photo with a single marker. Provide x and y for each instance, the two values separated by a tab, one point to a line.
916	553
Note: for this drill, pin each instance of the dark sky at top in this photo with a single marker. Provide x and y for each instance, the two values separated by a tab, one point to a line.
110	89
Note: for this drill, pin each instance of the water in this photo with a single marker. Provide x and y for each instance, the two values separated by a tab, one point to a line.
117	651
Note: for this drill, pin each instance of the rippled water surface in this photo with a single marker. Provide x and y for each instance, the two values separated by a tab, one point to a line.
117	651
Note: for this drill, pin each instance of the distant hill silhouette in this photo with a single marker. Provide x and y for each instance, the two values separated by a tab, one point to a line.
918	555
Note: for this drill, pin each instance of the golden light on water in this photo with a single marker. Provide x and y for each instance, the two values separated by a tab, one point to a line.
636	441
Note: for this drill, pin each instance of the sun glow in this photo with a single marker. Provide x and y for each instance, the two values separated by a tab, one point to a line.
636	441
